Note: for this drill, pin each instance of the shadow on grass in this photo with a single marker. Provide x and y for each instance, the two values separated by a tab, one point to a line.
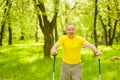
24	63
27	63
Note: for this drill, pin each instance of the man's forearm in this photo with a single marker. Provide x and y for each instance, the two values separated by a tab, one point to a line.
91	46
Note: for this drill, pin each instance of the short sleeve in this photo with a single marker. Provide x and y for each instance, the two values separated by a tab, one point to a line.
60	41
83	41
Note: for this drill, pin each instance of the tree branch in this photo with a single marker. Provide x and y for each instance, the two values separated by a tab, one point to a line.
40	23
118	18
2	3
73	8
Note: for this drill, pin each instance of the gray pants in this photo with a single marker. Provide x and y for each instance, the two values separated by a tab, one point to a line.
71	72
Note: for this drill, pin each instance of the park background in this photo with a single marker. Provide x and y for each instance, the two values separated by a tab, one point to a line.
29	28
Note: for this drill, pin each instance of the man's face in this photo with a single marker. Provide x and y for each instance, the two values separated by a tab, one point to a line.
70	30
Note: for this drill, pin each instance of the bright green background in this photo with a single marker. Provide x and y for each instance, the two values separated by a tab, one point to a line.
25	62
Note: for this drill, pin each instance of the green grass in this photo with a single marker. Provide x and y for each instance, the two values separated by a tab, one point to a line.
26	62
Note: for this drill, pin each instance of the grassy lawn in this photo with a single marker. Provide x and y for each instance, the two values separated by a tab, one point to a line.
26	62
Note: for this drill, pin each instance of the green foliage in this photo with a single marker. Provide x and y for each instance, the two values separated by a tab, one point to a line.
25	62
80	12
22	17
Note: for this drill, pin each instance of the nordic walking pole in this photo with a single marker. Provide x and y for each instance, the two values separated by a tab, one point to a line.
99	68
54	68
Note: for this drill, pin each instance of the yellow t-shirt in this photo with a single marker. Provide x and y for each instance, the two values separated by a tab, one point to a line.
71	48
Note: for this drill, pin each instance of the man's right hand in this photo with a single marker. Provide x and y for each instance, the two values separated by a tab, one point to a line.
54	52
54	49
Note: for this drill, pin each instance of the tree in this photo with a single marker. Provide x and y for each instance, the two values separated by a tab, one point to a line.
9	23
5	16
95	20
110	21
46	25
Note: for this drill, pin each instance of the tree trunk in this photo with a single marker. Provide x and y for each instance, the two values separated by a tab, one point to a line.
3	23
36	35
56	32
105	30
1	33
95	20
22	36
10	35
9	23
48	38
109	25
114	31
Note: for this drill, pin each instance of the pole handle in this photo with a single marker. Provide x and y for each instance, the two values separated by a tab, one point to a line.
54	63
98	57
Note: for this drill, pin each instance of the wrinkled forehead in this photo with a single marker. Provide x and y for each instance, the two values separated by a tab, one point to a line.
69	26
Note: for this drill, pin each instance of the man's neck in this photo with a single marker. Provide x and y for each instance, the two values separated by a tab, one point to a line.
71	37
